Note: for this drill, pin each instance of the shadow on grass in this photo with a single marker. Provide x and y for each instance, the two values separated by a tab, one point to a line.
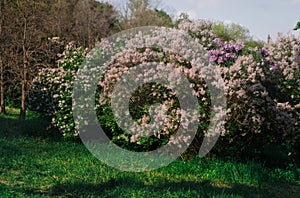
34	127
129	186
114	188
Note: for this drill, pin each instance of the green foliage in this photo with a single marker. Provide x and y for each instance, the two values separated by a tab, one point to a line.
163	16
231	32
183	17
254	44
297	26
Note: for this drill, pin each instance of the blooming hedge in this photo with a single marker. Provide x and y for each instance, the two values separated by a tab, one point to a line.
261	85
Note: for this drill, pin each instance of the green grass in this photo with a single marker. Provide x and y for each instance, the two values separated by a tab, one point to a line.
12	113
33	165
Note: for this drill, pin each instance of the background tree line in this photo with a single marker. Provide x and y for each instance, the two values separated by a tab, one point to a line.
33	33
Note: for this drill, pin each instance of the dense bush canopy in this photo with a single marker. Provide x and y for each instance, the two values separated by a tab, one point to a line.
262	89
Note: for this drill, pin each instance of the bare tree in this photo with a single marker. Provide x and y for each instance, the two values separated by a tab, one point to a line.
93	21
3	42
29	38
60	22
26	29
2	90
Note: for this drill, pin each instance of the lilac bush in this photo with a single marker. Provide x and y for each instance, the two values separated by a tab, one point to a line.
255	80
152	93
252	112
262	89
284	76
285	55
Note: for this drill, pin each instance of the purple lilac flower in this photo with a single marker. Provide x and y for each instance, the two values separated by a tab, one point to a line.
219	42
264	53
239	48
228	55
213	59
225	52
274	67
220	60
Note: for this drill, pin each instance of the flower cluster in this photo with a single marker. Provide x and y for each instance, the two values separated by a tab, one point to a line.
226	53
201	30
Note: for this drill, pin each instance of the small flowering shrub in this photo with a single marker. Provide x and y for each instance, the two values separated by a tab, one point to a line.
52	90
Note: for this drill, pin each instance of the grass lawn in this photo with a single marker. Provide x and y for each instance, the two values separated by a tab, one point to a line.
32	165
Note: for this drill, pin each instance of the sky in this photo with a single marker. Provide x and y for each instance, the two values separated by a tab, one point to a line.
261	17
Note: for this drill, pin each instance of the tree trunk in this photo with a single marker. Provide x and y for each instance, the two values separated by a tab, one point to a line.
24	73
2	89
23	98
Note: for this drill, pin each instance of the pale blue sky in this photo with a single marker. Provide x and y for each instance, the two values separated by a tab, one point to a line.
261	17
